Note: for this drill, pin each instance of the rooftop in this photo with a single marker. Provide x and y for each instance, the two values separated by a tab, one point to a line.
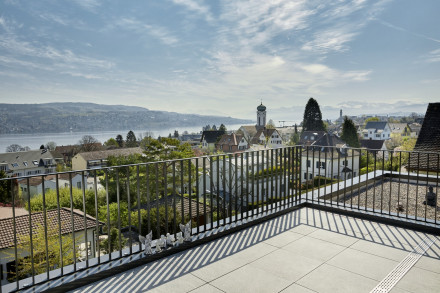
306	250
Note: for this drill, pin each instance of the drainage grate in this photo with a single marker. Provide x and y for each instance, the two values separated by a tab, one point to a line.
403	267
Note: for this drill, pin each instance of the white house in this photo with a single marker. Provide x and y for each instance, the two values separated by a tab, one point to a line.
98	159
35	185
270	138
376	131
7	250
32	162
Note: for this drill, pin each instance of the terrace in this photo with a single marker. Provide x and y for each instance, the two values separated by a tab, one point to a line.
367	230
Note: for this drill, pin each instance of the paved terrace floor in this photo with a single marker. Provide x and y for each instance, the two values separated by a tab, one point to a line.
304	251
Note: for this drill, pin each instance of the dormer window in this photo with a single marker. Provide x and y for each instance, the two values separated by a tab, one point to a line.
25	163
35	162
15	165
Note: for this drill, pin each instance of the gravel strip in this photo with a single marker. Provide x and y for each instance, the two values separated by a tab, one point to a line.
387	195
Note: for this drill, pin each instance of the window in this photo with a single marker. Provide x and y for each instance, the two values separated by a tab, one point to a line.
15	165
345	163
305	176
308	164
78	184
25	163
35	162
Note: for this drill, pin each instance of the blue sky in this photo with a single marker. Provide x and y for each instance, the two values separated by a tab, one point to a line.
223	57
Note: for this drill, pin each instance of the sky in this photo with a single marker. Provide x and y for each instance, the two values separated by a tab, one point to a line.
224	57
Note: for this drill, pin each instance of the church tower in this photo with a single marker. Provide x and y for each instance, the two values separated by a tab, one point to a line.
261	116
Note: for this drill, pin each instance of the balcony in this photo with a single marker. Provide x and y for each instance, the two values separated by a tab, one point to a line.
257	225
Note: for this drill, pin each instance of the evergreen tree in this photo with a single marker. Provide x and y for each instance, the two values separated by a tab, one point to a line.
120	140
222	128
270	124
349	133
131	140
296	129
176	133
313	117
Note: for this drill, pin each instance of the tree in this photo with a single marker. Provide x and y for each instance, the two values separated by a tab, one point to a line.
120	140
295	138
88	143
270	124
54	252
51	145
111	142
176	133
214	127
349	133
373	119
312	117
296	129
5	188
131	140
42	147
222	128
14	148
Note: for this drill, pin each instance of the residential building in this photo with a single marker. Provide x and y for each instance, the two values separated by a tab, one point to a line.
32	162
98	159
7	252
209	139
401	129
327	156
34	185
232	143
377	147
376	130
270	138
415	129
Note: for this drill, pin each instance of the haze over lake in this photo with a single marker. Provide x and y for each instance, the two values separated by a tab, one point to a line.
35	140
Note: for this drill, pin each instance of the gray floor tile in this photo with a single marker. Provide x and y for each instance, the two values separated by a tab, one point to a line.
363	263
183	284
328	278
314	248
391	252
286	265
283	239
207	288
295	288
419	281
334	237
429	264
250	279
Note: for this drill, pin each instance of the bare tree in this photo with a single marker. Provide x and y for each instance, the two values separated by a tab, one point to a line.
89	144
51	145
14	148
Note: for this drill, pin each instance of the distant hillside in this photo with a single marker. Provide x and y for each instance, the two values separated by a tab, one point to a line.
64	117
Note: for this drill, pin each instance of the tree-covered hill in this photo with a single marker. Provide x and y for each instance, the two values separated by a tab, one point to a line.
64	117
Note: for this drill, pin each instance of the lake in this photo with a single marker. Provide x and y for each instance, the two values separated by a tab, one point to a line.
35	140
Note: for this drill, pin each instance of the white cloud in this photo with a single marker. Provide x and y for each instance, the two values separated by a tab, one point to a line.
197	7
158	32
90	5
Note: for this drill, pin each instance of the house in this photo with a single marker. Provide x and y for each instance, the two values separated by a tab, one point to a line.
7	251
98	159
376	130
232	143
209	138
415	129
327	156
270	138
250	131
401	129
377	147
67	151
34	185
32	162
428	141
287	132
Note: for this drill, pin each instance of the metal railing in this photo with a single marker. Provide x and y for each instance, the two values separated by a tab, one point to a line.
57	229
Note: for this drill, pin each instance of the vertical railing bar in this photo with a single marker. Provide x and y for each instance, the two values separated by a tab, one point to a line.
307	173
72	222
157	201
138	193
218	192
331	174
313	174
427	183
319	174
204	194
57	188
382	184
45	227
275	172
147	178
211	188
339	177
267	193
83	187
398	186
247	185
374	181
352	177
257	174
391	181
417	183
288	174
14	224
108	215
224	189
197	195
236	186
230	187
271	181
345	176
30	231
165	193
436	188
241	185
119	213
359	180
96	244
190	191
253	183
130	241
407	185
182	191
174	201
